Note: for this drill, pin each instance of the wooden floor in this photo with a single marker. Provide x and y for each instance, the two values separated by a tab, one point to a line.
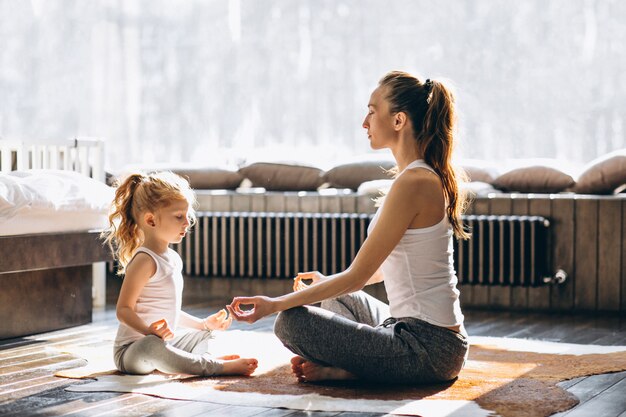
28	387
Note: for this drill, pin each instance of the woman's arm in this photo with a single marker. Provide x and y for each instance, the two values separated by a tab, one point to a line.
400	208
316	277
396	215
376	278
138	272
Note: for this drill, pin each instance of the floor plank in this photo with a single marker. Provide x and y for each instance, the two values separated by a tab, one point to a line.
591	386
570	382
278	412
610	402
41	402
189	408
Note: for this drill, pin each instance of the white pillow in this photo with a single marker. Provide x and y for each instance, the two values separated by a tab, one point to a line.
478	188
374	188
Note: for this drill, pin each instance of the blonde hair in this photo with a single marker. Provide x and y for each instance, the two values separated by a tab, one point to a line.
138	194
430	107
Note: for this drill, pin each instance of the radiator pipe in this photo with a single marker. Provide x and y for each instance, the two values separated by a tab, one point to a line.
559	278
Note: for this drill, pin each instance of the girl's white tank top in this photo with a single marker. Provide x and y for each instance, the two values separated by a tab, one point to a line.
161	298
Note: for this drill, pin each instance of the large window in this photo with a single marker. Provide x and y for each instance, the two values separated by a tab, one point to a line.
212	81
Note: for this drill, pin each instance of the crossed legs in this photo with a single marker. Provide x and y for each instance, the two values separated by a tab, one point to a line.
349	317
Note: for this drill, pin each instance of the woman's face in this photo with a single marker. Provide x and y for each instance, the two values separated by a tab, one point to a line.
379	121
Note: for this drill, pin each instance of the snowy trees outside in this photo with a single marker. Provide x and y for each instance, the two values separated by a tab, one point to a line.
228	81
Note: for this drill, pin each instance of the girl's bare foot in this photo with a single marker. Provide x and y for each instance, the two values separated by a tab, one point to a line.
307	371
239	366
229	357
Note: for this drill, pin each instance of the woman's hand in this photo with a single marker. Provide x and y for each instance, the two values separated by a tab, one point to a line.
261	306
218	321
162	329
314	276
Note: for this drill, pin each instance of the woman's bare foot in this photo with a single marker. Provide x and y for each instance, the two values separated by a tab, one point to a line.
296	367
307	371
238	366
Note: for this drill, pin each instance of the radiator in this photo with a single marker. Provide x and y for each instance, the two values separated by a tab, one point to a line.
503	250
272	245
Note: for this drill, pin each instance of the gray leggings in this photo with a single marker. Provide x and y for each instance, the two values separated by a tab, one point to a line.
354	332
185	354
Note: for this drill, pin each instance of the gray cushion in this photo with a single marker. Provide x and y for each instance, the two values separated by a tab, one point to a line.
275	176
352	175
210	178
603	175
534	179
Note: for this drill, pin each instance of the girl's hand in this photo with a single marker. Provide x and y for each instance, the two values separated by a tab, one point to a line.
261	307
218	321
162	329
313	276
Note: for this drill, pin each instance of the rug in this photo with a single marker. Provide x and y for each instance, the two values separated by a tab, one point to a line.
509	377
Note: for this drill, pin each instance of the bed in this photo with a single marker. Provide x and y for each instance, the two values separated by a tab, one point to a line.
53	205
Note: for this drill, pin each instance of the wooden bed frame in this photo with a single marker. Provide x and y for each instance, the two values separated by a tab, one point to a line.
51	281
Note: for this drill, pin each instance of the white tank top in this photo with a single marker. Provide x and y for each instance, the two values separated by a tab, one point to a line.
419	274
161	298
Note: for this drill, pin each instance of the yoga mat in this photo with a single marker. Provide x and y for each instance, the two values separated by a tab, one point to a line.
511	377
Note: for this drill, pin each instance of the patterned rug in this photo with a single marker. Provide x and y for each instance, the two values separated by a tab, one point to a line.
509	377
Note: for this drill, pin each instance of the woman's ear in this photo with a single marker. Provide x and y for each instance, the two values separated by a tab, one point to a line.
399	120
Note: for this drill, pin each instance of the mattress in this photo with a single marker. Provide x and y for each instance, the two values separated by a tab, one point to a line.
52	201
35	221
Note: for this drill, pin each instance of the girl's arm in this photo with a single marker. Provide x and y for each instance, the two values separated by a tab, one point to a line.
402	204
217	321
190	322
138	272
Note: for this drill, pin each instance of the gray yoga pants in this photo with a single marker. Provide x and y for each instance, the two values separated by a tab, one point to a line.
185	354
354	332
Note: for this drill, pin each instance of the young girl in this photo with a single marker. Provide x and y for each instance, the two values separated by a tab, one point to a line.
419	337
149	213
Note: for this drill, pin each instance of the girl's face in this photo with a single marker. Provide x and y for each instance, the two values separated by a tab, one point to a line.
379	121
173	221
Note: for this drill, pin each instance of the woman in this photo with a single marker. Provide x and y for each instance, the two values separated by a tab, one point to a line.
419	337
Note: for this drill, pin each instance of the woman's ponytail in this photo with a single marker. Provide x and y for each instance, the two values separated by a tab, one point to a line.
436	143
430	107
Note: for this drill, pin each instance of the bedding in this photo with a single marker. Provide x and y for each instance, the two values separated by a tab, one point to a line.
52	268
47	201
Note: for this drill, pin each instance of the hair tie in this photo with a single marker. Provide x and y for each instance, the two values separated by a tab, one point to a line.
428	84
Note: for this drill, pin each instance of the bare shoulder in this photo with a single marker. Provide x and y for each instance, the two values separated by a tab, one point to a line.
138	272
418	181
141	265
420	191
